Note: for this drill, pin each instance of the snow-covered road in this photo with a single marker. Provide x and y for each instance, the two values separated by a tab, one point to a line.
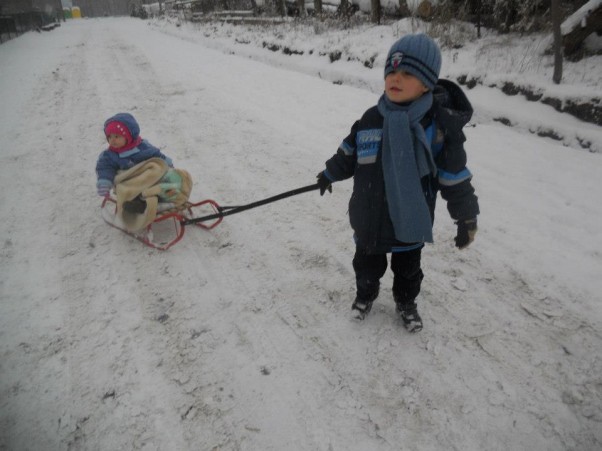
239	338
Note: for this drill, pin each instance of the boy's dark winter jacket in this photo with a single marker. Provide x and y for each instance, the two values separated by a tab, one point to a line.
359	155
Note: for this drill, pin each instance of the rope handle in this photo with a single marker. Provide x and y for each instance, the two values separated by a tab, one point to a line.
227	211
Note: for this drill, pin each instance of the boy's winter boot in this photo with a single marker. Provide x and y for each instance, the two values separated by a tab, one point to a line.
361	307
409	315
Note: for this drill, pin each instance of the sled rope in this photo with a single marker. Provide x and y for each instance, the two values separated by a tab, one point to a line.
227	211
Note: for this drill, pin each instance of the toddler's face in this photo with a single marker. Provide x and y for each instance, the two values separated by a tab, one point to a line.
403	87
116	141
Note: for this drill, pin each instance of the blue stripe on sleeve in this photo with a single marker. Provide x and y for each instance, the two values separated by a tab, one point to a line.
329	176
346	148
450	179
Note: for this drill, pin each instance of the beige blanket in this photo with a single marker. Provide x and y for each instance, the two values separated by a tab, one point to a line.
155	182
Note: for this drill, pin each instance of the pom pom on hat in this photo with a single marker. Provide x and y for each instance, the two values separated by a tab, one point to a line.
418	55
118	128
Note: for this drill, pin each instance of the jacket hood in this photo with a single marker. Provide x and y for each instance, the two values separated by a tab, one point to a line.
453	105
128	120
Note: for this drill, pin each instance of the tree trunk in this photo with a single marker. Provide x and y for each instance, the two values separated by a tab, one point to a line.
404	10
318	7
301	6
280	7
479	9
375	7
344	8
556	21
573	39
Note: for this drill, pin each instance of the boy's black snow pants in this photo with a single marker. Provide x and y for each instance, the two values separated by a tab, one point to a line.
407	274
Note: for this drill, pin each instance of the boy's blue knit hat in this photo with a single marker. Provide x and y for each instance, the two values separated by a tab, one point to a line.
417	54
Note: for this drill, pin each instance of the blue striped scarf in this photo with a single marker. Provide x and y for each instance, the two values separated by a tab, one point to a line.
406	158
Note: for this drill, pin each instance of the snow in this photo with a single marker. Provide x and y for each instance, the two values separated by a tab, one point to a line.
239	338
579	17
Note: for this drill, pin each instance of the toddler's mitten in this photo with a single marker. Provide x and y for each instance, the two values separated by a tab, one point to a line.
103	187
467	229
324	183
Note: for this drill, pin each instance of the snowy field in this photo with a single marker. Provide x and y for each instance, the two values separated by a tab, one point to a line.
239	338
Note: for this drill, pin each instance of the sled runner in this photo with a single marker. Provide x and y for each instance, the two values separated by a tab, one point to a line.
169	225
167	228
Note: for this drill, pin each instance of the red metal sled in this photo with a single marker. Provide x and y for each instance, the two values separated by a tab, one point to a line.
167	228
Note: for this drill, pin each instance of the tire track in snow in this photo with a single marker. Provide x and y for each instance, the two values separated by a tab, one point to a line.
129	409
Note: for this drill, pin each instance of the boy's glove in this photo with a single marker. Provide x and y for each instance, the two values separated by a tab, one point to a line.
467	229
324	182
103	187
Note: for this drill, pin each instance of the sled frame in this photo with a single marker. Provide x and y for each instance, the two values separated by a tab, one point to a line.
177	218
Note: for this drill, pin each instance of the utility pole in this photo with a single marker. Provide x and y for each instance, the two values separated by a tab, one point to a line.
555	10
375	15
61	13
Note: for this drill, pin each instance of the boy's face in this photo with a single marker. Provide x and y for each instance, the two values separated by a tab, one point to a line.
116	141
401	87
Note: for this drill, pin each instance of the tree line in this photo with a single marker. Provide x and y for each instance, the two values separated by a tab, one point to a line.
501	15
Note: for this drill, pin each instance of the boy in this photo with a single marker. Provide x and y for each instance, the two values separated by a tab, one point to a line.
401	153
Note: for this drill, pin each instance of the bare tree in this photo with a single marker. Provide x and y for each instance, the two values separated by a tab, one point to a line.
479	7
280	7
376	11
344	8
556	21
404	9
318	7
